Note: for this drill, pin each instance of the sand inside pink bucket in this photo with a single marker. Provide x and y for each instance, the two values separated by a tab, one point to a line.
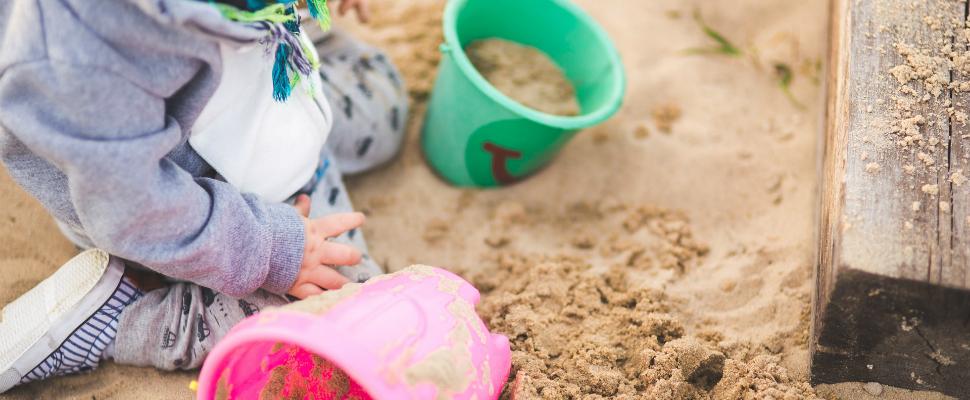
324	381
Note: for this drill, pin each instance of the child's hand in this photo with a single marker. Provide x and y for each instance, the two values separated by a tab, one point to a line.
320	255
359	6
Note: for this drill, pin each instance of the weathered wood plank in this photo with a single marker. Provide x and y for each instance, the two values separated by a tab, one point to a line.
891	303
958	188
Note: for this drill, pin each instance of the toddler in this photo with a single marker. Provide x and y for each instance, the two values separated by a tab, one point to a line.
196	150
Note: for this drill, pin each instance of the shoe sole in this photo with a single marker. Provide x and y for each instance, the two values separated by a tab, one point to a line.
36	324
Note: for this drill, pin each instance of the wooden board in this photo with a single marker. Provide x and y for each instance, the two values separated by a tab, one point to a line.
891	302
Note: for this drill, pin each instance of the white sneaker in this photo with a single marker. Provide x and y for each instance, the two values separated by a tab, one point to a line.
65	323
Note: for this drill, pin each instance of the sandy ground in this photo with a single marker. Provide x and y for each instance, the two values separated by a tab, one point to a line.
701	190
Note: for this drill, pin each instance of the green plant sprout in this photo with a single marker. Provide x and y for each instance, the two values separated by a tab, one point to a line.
724	46
785	78
783	72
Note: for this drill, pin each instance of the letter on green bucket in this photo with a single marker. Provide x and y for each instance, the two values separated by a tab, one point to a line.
511	150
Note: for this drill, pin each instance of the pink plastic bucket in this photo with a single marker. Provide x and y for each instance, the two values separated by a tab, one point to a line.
409	335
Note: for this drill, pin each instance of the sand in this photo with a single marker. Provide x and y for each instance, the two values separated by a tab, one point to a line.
525	74
707	228
324	379
577	334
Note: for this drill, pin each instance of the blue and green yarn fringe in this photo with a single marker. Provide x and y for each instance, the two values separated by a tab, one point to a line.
282	23
281	84
320	12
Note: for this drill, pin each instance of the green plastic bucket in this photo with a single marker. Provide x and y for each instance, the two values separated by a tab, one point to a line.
476	136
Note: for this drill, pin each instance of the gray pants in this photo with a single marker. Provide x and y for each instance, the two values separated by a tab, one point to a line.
175	327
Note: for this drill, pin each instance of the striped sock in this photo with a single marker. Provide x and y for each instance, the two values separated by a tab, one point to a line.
84	348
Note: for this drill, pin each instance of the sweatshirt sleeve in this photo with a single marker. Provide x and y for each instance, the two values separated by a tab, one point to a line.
110	137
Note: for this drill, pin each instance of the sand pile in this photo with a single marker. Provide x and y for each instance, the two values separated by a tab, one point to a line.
525	74
577	334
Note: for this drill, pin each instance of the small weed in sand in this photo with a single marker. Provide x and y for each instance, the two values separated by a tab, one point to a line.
724	46
784	73
785	76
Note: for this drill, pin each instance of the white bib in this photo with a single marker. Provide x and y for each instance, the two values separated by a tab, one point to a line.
257	144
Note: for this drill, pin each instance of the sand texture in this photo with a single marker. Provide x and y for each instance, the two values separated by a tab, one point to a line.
287	383
525	74
666	253
577	334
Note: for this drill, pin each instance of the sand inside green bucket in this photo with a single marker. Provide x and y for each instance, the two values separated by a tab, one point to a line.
525	74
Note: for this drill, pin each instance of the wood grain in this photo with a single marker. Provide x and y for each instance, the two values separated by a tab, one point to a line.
891	304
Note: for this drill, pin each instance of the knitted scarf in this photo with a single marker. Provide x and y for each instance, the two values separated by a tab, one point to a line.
281	22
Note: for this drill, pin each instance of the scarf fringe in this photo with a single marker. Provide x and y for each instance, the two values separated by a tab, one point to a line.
320	12
282	24
281	82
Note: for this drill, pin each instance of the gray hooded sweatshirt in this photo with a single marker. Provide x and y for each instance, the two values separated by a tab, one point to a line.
97	102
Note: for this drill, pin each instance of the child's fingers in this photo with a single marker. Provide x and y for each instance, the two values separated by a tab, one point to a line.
302	205
326	277
335	224
338	254
305	290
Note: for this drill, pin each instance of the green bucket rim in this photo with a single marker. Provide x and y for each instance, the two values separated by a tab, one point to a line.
585	120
